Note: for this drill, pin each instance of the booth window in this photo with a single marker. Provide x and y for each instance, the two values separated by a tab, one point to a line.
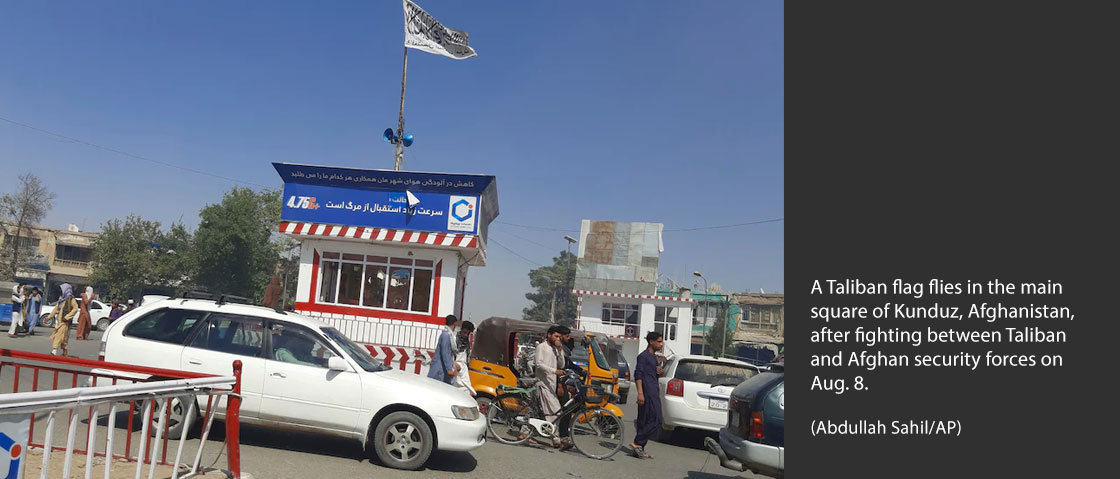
402	284
329	284
616	313
665	322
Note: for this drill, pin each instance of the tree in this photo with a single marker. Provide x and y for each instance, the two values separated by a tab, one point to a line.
234	243
718	336
288	268
134	254
18	212
549	280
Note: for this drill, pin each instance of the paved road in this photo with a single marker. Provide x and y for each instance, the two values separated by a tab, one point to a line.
278	454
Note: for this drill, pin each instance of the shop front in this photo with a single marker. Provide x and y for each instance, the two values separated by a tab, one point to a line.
384	254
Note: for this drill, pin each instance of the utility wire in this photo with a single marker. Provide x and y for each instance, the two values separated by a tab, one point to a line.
727	226
528	240
547	228
542	228
495	241
130	155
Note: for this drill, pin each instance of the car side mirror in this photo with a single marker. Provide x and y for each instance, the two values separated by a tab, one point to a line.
336	363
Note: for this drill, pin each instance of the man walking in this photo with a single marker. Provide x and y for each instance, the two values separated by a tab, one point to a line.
443	367
18	296
646	373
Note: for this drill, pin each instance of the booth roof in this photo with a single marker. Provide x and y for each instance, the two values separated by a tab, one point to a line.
453	183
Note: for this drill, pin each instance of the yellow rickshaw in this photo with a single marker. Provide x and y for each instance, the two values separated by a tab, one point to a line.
497	345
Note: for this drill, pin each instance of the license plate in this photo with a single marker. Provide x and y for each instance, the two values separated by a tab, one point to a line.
717	404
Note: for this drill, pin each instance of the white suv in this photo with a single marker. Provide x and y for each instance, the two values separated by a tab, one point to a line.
299	373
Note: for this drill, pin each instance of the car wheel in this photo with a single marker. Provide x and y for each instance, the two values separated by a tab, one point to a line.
46	320
103	324
402	440
175	421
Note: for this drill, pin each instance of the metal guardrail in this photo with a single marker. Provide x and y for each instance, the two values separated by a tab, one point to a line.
121	385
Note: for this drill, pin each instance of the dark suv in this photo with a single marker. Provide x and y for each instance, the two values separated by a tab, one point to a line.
754	437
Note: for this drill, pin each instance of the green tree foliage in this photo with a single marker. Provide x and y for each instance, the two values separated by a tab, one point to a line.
545	280
20	211
234	240
718	336
135	255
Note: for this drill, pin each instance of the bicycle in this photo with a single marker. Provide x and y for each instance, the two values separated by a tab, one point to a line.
515	417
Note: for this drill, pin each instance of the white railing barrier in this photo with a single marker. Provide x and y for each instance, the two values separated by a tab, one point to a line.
71	400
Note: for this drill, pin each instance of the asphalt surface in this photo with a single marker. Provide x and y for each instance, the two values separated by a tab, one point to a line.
267	453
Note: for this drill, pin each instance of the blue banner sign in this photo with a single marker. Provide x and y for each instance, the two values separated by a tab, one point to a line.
470	185
424	211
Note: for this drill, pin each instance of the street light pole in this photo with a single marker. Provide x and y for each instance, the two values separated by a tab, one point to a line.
697	273
568	268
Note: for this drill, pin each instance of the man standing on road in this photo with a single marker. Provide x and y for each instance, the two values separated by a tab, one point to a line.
646	373
547	363
443	366
32	305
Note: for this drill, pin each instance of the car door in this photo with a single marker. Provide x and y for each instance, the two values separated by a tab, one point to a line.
223	339
97	310
300	389
154	340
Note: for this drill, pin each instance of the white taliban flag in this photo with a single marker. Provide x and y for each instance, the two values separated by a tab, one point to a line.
423	32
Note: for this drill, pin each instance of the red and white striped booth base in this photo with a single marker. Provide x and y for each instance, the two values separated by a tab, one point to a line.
404	345
322	230
410	360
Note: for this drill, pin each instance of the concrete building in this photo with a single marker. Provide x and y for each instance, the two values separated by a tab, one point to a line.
761	325
61	256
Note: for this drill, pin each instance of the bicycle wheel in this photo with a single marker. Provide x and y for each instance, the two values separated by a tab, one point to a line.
507	419
597	432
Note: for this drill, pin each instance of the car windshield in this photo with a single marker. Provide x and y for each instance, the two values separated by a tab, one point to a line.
713	372
357	353
600	358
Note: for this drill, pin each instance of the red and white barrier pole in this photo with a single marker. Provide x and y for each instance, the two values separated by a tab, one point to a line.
233	424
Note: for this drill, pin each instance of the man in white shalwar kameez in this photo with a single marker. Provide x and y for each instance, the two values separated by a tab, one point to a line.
548	360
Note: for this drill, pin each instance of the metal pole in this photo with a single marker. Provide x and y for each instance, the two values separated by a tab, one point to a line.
552	312
705	308
568	273
725	327
398	158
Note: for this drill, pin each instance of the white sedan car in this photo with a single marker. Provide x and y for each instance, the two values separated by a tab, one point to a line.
299	373
98	315
695	391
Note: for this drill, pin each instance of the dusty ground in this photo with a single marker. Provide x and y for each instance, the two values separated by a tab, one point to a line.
120	468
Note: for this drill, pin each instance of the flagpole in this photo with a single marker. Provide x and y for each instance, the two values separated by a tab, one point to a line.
398	159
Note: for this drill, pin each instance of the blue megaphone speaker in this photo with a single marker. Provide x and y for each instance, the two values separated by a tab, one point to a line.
388	136
407	139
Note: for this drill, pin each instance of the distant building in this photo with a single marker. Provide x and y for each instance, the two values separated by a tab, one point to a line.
62	256
616	288
760	325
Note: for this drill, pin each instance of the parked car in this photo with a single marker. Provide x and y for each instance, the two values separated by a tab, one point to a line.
696	390
624	381
754	435
98	315
299	373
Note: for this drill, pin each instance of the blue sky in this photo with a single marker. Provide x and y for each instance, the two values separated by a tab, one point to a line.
656	111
